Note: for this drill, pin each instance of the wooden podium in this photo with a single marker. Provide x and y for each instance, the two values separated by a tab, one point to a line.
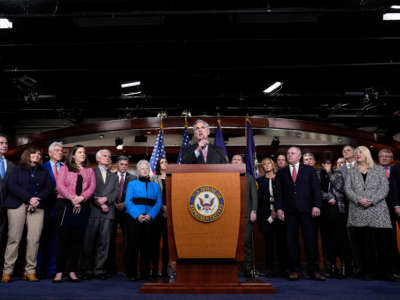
206	229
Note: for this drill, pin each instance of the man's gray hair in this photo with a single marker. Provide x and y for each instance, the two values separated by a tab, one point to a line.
122	157
142	162
385	150
309	154
55	144
100	151
201	121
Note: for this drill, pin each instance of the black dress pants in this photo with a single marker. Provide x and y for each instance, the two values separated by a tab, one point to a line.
111	264
160	229
293	222
337	239
139	241
276	234
69	246
374	245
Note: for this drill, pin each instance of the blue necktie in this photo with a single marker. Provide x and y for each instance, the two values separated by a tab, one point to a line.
2	168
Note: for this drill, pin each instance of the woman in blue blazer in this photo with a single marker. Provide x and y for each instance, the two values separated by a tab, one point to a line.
28	188
143	203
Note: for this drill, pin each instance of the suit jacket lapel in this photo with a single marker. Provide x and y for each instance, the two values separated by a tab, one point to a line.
300	172
99	176
9	169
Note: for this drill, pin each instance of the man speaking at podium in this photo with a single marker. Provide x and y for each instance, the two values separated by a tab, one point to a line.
203	152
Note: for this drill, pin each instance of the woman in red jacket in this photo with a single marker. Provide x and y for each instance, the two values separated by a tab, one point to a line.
76	183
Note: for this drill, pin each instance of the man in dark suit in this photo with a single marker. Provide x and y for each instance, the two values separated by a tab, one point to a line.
46	261
124	177
385	157
102	213
298	199
6	167
203	152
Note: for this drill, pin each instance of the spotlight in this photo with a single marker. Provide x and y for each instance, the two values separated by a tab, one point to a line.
131	88
130	84
391	17
119	143
273	89
5	24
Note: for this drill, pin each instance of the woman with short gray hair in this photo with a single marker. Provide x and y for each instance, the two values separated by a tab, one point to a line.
143	203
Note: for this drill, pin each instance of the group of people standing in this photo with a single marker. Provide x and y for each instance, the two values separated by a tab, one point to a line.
353	208
72	212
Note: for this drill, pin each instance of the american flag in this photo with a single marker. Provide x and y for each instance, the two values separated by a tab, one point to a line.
158	151
251	158
185	143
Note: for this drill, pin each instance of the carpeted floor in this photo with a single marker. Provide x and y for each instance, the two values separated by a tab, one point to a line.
119	288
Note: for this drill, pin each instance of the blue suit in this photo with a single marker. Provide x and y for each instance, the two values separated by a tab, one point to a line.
297	199
46	261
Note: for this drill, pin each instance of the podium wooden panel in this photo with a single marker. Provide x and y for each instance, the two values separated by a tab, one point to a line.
207	254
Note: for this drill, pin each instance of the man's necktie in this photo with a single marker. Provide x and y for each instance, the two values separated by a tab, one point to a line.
104	174
2	168
55	172
294	174
387	172
205	154
121	187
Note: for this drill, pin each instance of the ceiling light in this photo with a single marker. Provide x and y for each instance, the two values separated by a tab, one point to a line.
5	24
119	143
274	88
130	84
391	17
395	7
131	88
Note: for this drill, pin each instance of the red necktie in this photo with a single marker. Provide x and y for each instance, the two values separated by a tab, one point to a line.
294	174
55	172
387	172
205	154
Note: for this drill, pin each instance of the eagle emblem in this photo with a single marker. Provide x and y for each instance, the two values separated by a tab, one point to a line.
206	204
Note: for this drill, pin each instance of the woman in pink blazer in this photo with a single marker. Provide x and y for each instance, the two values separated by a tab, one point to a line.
76	183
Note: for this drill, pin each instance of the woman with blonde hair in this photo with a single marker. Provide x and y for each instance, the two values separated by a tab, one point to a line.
366	188
268	223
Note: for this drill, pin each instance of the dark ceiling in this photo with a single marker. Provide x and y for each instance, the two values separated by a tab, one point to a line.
339	63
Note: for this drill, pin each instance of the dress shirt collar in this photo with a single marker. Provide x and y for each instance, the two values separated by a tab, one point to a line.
297	165
52	163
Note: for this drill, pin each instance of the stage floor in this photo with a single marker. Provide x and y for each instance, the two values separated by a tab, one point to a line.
119	288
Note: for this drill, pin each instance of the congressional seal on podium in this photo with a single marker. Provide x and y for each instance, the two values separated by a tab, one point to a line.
206	204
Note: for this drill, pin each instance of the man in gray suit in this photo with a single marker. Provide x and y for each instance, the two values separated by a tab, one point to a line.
102	214
124	177
251	217
6	167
